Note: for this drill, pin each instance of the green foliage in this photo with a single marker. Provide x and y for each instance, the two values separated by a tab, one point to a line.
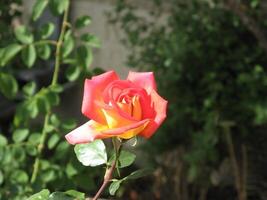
47	30
34	133
207	73
39	8
126	158
115	185
23	35
28	55
9	52
91	154
83	21
8	85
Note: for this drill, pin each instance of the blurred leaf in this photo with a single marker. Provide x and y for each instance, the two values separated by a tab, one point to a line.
138	174
84	56
1	177
91	40
56	88
114	186
20	176
83	21
29	55
59	6
126	159
53	140
76	194
9	52
34	138
38	8
69	124
68	45
47	30
8	85
43	51
73	72
23	35
31	150
3	140
55	120
48	175
20	134
91	154
29	88
42	195
70	170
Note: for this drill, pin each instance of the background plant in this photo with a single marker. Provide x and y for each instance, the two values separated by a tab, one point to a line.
32	148
210	58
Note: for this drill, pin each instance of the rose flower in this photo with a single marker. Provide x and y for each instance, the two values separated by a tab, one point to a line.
119	108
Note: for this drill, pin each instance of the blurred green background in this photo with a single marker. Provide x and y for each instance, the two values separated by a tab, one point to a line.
209	58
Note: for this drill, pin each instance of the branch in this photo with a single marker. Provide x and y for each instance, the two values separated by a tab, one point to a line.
40	148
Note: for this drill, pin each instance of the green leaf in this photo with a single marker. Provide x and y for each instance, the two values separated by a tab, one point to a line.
47	30
90	40
68	45
126	159
84	56
73	72
8	85
56	88
23	35
32	108
70	170
69	124
29	88
91	154
19	176
55	120
52	98
29	55
48	175
43	51
9	52
42	195
31	150
3	140
59	6
38	8
1	177
83	21
60	196
76	194
53	140
19	135
114	186
138	174
34	138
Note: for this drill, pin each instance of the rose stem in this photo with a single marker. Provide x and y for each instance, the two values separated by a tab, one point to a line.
109	171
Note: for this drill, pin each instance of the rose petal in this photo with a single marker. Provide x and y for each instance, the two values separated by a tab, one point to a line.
115	119
144	80
92	97
160	108
85	133
92	130
125	129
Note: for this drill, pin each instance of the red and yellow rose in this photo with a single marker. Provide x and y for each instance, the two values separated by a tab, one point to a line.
121	108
